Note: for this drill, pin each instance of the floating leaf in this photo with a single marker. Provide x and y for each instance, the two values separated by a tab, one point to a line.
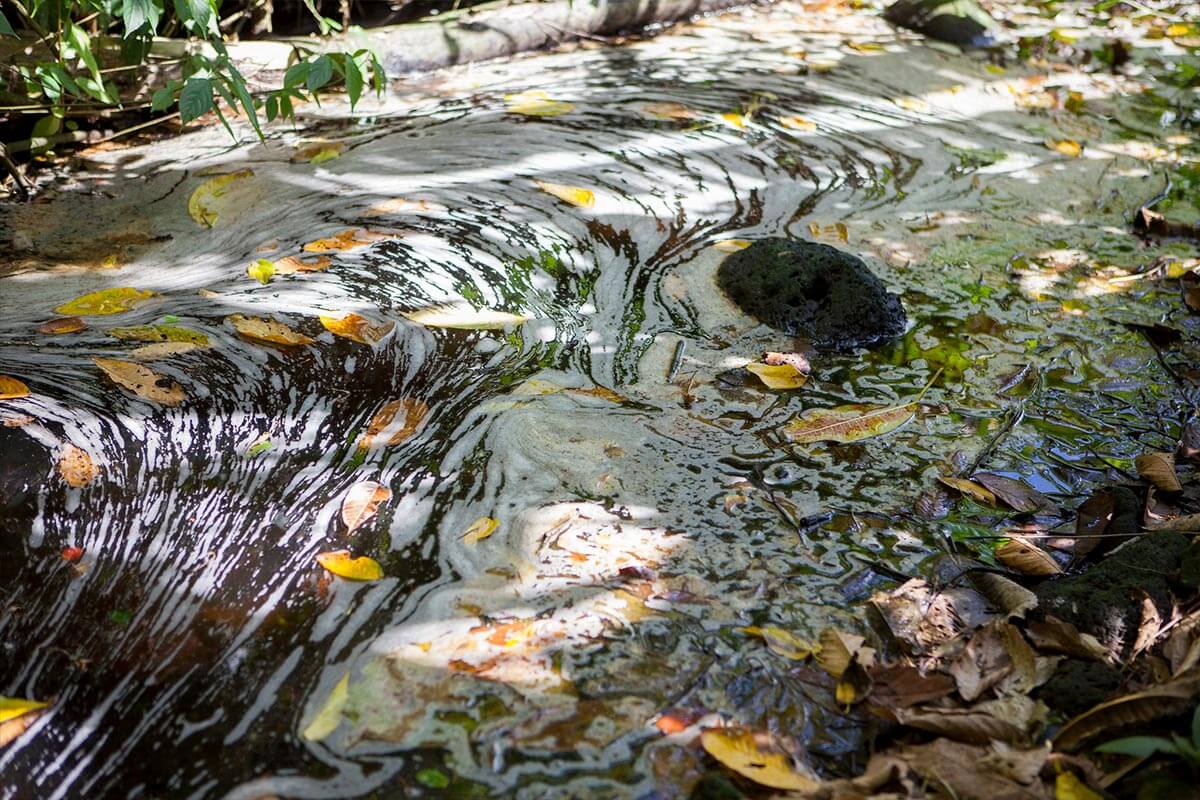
142	381
358	329
480	529
342	564
783	642
361	503
737	749
911	104
12	389
574	195
1017	494
105	301
266	330
396	421
971	489
13	707
76	467
158	350
62	325
668	110
317	152
203	202
848	423
731	245
326	720
735	119
400	205
464	316
796	360
71	554
837	231
160	333
1026	558
348	239
1067	147
778	376
261	445
535	103
16	717
797	123
261	270
289	265
1159	469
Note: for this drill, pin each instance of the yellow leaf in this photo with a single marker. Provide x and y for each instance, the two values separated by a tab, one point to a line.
580	198
202	204
731	245
400	205
737	749
357	328
142	381
12	389
267	330
865	47
317	152
1068	147
1068	787
362	501
784	642
76	467
911	103
464	316
13	707
971	489
797	123
261	270
778	376
342	564
536	104
480	529
348	239
848	423
289	265
326	720
736	119
105	301
837	231
396	421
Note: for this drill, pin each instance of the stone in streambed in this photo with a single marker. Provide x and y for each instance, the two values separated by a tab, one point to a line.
814	291
960	22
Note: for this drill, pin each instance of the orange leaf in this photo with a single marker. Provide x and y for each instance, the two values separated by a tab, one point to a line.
362	501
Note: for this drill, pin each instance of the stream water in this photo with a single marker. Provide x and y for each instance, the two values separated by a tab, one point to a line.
647	508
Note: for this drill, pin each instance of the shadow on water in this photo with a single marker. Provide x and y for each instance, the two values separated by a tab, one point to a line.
201	638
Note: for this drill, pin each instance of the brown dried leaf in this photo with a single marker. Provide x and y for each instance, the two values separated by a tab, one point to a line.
1173	697
1017	494
995	772
1010	597
396	421
1182	648
840	649
921	619
902	686
1009	719
76	467
267	330
12	728
142	381
290	265
1026	558
983	663
62	325
1059	636
796	360
1159	469
971	489
361	503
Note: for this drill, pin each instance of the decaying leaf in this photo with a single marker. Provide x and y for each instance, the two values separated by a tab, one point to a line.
971	489
62	325
361	503
737	749
159	333
464	316
158	350
326	720
731	245
202	205
358	328
1016	494
480	529
573	195
796	360
783	642
1159	469
921	618
778	376
348	239
1009	719
12	389
105	301
995	771
1010	597
342	564
1026	558
1058	636
396	421
797	123
983	663
290	265
668	110
838	650
142	381
1189	523
76	467
267	330
903	686
317	152
400	205
848	423
536	103
1173	697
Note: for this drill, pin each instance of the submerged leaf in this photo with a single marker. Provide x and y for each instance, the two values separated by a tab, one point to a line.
465	317
153	352
317	152
668	110
358	329
1017	494
342	564
401	205
574	195
105	301
361	503
12	389
348	239
536	103
480	529
797	123
396	421
326	720
737	749
202	204
13	707
62	325
848	423
142	381
731	245
778	376
289	265
76	467
783	642
267	330
160	333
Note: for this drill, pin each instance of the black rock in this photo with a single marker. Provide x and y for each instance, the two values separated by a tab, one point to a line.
812	290
960	22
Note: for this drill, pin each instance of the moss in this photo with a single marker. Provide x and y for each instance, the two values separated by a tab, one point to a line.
1076	686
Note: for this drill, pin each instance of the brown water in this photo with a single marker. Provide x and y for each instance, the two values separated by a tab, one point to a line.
642	519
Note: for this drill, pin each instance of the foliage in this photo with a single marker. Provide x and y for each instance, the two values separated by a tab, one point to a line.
1145	746
75	38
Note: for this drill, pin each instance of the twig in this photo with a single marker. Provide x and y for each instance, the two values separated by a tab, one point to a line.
19	181
1015	415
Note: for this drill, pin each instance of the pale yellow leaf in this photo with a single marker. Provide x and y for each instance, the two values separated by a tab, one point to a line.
326	720
480	529
362	501
1026	558
574	195
784	642
848	423
970	488
266	330
797	123
204	203
1068	147
464	316
737	749
778	376
536	103
142	381
731	245
342	564
105	301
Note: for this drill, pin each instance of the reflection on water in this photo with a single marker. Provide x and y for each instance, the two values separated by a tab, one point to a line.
197	650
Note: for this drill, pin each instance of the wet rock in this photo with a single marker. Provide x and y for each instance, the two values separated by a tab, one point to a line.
1106	600
960	22
812	290
1078	685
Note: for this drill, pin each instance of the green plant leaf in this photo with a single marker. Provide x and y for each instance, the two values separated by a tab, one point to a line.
1196	727
138	13
354	79
162	98
320	73
196	14
1139	746
5	28
296	74
195	99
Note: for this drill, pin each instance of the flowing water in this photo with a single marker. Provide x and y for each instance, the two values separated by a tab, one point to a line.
648	508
